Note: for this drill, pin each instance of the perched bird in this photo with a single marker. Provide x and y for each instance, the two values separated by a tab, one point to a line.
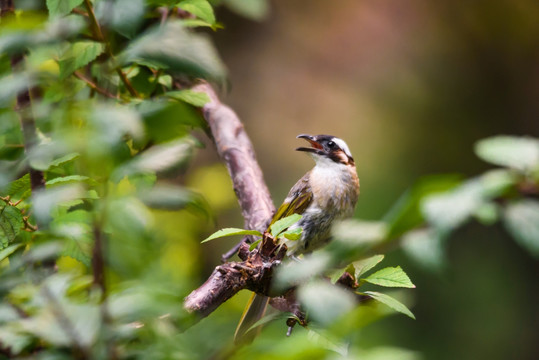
328	192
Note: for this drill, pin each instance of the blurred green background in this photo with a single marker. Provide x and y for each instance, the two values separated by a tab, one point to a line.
411	86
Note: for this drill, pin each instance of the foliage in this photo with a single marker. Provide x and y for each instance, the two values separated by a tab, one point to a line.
92	264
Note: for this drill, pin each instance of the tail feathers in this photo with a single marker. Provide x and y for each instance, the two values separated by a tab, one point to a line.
254	311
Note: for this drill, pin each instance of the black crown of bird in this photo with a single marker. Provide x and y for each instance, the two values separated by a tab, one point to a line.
326	193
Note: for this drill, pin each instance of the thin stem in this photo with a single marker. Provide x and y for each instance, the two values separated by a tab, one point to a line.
96	29
93	86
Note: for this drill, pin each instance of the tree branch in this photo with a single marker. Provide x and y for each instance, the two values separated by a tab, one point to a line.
93	86
236	150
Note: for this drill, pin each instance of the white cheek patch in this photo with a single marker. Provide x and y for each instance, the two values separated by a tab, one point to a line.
343	146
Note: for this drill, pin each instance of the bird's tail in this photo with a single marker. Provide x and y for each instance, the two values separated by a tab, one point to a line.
254	311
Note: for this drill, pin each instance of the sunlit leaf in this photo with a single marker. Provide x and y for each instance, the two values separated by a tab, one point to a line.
325	302
62	7
200	8
364	265
521	219
11	224
391	302
80	54
194	98
280	225
67	180
18	186
520	153
230	232
390	277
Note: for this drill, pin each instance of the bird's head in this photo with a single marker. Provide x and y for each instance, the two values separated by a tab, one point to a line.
327	147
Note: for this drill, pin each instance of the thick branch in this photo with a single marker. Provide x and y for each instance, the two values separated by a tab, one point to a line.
236	150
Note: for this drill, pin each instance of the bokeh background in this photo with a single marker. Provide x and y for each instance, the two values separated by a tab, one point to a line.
411	86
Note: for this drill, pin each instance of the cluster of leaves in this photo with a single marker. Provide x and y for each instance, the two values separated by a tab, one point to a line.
109	121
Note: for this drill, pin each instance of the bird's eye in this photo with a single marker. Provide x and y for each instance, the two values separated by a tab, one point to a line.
331	144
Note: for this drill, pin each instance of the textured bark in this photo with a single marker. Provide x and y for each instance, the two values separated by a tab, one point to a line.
256	269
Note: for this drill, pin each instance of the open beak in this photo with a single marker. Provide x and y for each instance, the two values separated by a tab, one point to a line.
315	148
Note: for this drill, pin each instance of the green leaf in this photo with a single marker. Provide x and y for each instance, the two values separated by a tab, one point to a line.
391	302
124	16
280	225
194	98
364	265
18	186
521	219
293	234
62	7
200	8
230	232
293	273
177	49
325	302
11	223
80	54
252	9
45	201
521	153
9	250
390	277
254	245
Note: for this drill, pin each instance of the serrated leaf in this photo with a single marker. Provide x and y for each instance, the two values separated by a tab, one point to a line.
364	265
11	223
200	8
18	186
280	225
391	302
194	98
61	7
230	232
80	54
390	277
520	153
521	219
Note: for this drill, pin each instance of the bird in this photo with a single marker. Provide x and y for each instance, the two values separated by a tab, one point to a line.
328	192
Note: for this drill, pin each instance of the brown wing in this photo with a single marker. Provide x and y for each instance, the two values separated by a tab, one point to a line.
298	199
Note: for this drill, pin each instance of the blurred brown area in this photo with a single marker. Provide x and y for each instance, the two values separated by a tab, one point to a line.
410	85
